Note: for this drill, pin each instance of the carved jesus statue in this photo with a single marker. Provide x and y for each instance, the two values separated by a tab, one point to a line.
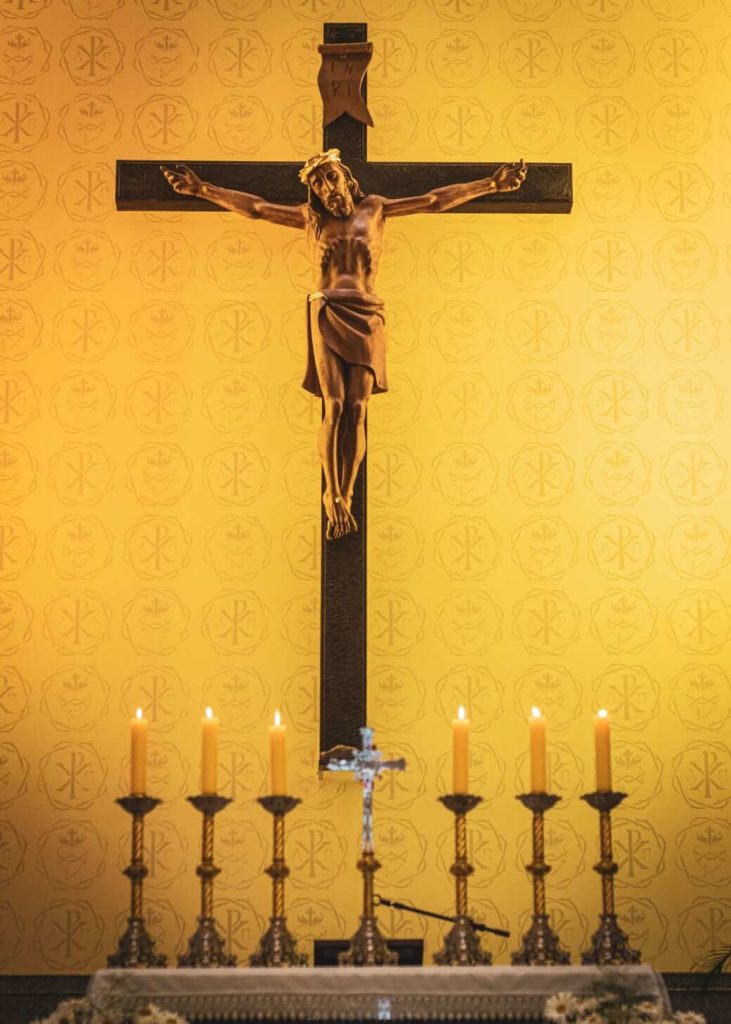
346	336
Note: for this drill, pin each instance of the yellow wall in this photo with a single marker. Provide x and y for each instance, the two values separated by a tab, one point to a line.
549	512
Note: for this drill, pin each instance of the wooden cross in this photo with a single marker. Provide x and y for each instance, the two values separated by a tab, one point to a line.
547	189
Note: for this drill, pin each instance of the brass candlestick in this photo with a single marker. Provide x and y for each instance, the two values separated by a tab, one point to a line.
206	946
609	944
136	948
277	947
462	946
540	943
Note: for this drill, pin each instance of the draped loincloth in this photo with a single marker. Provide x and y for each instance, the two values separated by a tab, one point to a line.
352	324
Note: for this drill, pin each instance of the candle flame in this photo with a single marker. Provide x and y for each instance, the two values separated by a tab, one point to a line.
277	718
603	713
138	713
209	712
461	712
536	712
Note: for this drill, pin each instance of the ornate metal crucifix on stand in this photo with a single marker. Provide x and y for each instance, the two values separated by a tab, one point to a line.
367	947
274	191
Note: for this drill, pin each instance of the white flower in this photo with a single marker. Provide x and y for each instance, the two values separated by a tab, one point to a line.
152	1014
689	1017
593	1018
589	1005
71	1011
560	1008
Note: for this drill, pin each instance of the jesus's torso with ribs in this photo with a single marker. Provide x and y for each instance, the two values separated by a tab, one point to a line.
348	249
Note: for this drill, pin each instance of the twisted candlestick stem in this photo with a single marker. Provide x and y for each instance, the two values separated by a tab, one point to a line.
280	869
207	870
539	862
139	870
607	862
461	865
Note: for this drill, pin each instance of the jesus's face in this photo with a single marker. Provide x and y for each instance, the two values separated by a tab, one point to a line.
330	185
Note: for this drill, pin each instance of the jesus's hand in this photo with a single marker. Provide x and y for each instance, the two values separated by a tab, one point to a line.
183	180
510	177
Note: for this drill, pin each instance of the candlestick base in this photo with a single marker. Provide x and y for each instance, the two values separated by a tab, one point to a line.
462	946
540	945
367	947
609	944
206	947
136	947
277	947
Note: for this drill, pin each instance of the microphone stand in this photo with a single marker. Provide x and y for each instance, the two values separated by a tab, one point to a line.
378	900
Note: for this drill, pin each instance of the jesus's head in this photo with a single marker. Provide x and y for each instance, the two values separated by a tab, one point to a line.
331	187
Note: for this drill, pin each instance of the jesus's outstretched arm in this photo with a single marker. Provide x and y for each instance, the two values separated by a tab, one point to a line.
187	183
507	178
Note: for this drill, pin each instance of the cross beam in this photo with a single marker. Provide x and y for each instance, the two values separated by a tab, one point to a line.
547	189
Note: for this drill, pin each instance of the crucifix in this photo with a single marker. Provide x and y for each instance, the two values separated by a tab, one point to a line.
367	947
345	321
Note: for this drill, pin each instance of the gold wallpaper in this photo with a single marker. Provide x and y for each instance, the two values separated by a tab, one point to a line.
548	476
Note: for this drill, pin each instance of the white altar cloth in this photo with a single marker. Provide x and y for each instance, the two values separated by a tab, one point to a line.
365	993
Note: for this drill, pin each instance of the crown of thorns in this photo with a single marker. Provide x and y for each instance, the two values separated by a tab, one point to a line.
330	156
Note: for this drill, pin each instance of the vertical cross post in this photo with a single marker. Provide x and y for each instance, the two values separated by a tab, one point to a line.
343	584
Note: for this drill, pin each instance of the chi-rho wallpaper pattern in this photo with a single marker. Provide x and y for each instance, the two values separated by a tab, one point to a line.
548	476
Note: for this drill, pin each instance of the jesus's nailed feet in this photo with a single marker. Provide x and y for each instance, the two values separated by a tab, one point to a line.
340	520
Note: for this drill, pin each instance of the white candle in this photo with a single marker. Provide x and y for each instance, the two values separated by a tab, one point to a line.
277	756
138	754
537	752
460	751
603	748
209	752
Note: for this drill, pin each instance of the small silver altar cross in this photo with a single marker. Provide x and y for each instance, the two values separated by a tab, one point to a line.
367	947
366	765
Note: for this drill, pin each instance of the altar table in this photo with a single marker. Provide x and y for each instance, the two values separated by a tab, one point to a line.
365	993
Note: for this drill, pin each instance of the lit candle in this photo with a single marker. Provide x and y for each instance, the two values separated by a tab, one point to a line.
209	752
138	754
602	744
537	752
277	756
460	751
